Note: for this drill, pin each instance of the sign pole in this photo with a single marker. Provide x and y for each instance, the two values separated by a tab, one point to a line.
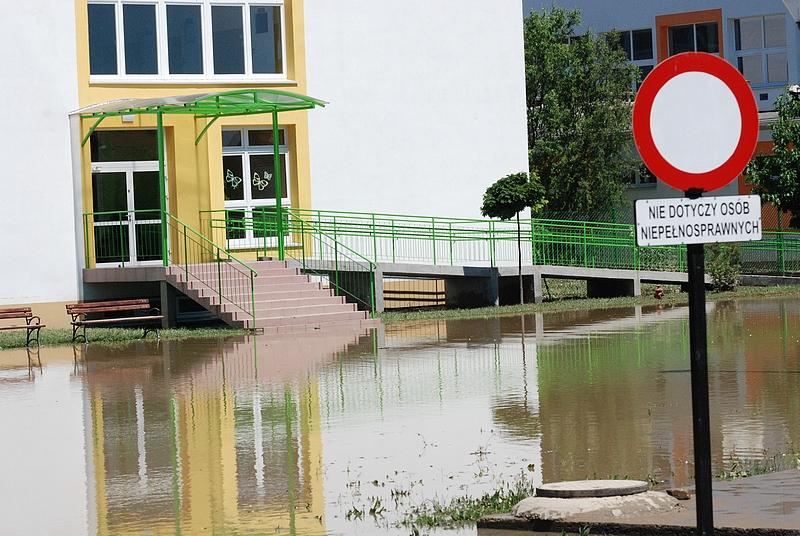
695	123
698	352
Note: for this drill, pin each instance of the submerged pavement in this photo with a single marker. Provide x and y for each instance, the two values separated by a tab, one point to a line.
763	505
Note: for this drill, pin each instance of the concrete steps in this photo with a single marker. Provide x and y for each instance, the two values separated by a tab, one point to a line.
286	301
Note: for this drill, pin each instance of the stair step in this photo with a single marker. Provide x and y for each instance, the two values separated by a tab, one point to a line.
293	294
313	319
277	271
298	302
356	325
265	308
306	310
270	280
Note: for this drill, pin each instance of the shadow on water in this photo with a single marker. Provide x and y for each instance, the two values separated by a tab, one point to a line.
306	434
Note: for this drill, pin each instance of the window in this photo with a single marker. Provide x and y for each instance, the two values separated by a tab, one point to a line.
139	25
102	39
189	40
701	37
761	49
124	145
641	177
638	46
249	183
185	39
228	39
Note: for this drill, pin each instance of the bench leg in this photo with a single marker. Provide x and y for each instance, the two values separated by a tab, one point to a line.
151	330
75	336
29	339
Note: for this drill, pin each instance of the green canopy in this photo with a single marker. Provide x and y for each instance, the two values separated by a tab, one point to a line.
206	106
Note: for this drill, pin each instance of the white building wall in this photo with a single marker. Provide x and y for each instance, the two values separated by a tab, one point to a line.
38	90
427	103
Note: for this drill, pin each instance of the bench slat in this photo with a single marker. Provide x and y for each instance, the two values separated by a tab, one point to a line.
109	309
15	315
116	320
32	326
137	301
15	310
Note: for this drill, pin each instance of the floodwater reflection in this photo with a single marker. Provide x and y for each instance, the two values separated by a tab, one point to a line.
304	435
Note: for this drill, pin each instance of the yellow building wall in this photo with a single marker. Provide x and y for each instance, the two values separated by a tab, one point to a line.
195	171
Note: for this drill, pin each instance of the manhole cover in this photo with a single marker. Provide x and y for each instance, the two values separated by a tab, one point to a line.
591	488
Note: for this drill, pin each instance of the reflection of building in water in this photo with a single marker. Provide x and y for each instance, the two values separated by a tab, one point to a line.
621	393
761	335
207	437
433	396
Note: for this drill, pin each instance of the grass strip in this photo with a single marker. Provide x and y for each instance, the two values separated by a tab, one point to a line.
669	300
743	468
63	337
466	510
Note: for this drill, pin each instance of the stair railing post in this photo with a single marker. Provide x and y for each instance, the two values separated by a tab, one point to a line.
86	239
121	241
450	239
185	255
374	240
433	238
491	244
394	253
219	277
303	240
252	299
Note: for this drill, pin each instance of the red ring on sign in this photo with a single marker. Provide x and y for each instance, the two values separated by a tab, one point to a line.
643	107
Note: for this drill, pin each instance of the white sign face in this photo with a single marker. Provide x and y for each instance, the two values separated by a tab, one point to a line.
707	104
668	222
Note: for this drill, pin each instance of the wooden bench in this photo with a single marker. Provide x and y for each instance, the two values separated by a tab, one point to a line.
84	315
32	323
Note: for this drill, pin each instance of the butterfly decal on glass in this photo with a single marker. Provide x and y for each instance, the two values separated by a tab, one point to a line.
232	179
260	183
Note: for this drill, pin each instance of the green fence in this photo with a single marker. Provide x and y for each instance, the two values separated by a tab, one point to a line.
396	238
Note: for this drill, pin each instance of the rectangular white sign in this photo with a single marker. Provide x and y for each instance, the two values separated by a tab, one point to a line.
667	222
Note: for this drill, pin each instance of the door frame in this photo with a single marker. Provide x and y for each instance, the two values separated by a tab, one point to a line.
129	168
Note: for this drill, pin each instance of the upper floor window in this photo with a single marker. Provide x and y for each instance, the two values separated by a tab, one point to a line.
638	46
188	39
700	37
761	49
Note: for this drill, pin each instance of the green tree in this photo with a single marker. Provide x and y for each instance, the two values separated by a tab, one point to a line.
776	177
508	197
579	112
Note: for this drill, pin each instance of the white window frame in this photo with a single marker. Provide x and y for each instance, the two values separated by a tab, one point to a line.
764	52
162	43
248	204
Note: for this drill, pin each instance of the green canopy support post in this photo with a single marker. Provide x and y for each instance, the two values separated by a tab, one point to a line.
276	167
162	185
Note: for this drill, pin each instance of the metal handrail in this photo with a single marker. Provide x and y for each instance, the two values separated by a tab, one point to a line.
199	258
380	237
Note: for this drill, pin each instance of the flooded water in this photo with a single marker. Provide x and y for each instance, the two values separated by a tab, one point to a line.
262	436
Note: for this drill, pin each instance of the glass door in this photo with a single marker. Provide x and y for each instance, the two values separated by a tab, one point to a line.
111	227
127	213
146	220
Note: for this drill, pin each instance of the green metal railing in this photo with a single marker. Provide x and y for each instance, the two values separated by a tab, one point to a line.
318	253
126	238
400	238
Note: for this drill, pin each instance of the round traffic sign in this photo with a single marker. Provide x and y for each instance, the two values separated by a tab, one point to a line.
695	122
